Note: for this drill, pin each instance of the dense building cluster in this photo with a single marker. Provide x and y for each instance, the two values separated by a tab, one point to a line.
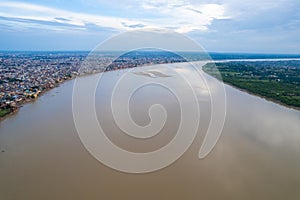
139	58
24	76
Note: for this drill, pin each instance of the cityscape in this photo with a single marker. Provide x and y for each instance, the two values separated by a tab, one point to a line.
27	75
152	99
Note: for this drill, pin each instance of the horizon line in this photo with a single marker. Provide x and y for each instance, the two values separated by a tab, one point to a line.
209	52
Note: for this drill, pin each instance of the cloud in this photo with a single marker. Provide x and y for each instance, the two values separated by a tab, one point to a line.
133	25
179	14
35	15
224	25
184	15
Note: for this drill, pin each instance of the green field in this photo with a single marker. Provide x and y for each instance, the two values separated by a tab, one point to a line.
278	81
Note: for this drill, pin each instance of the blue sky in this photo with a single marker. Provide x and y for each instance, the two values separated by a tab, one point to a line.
258	26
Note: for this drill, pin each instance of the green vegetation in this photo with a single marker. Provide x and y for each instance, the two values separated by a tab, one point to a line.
275	80
4	112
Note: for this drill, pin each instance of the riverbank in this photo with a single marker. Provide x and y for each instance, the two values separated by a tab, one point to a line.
13	111
260	96
278	83
259	148
9	111
4	113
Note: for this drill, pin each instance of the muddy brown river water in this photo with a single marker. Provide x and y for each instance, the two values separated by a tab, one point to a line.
256	157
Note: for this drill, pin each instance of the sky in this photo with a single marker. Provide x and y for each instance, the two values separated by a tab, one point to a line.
252	26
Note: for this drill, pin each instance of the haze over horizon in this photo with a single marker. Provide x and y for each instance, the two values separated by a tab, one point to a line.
218	25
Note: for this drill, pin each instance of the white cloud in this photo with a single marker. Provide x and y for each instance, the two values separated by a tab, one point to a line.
184	15
181	15
39	13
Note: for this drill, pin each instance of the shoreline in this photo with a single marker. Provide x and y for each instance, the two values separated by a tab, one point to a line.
264	97
19	106
30	100
27	101
257	95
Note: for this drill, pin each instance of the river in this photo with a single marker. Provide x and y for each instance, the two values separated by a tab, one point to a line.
256	157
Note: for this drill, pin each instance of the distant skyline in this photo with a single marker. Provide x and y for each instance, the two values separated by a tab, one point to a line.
249	26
